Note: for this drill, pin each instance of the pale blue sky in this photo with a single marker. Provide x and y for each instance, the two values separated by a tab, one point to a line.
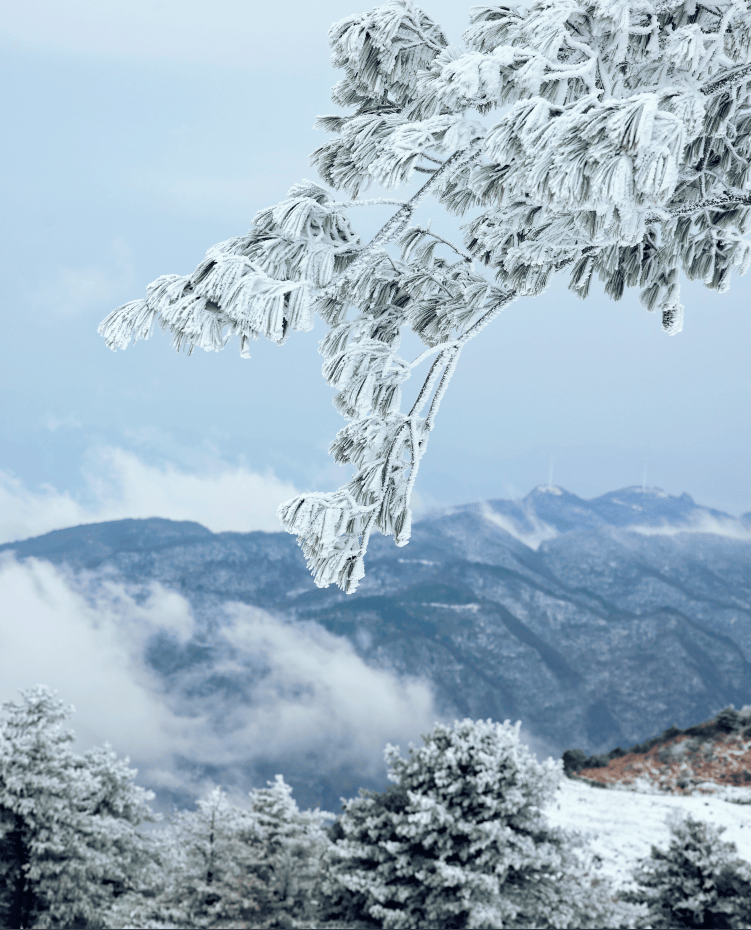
137	134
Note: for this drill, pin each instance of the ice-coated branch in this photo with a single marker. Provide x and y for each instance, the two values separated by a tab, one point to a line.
396	224
712	203
730	79
371	202
451	355
428	232
428	384
621	150
432	351
380	493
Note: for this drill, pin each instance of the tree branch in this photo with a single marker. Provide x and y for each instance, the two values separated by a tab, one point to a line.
729	79
427	232
428	352
427	387
375	202
450	356
398	221
711	203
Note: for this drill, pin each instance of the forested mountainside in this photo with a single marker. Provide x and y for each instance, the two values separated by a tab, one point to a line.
596	622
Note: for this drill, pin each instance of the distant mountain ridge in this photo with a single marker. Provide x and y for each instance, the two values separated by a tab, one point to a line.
547	512
596	622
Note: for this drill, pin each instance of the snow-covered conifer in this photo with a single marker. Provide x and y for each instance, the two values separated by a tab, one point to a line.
68	839
607	139
699	881
460	841
289	845
206	877
222	865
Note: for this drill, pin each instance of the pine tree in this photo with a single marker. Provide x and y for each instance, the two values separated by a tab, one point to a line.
623	154
699	881
288	846
205	877
69	844
460	841
226	866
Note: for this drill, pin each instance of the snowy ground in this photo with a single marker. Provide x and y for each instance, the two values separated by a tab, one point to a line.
624	825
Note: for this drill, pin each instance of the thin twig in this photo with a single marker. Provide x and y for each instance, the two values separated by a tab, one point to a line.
377	201
427	387
711	203
394	226
729	79
428	352
448	372
427	232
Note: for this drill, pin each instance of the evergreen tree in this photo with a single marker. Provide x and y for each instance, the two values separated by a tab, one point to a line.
289	845
226	866
699	881
205	877
69	844
460	841
623	154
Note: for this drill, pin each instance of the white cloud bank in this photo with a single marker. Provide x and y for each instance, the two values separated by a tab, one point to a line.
305	692
50	634
728	527
316	691
122	486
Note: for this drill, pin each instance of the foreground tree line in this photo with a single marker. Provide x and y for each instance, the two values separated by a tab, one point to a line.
459	840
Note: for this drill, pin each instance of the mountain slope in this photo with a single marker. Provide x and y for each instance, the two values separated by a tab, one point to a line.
623	826
595	622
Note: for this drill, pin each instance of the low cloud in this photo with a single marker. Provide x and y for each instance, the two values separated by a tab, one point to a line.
120	485
50	633
25	513
539	533
706	523
272	691
315	690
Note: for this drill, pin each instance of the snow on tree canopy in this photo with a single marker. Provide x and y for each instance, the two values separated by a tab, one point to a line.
225	866
69	844
460	840
621	150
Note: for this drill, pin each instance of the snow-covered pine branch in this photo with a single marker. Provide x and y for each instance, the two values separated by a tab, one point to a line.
620	150
260	284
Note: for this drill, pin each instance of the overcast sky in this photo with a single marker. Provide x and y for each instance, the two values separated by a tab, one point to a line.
136	135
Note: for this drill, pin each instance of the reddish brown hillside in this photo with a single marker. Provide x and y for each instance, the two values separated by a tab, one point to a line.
680	761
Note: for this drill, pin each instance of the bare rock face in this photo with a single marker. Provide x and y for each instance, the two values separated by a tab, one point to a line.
595	622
